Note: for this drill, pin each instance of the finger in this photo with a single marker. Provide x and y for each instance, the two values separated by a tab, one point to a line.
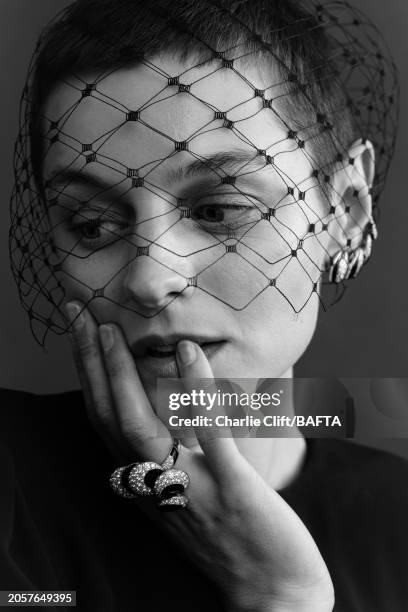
147	436
91	372
217	443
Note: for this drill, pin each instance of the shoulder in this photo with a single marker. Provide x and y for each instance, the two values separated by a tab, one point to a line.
12	401
367	482
48	435
344	474
382	479
354	500
362	463
22	399
28	419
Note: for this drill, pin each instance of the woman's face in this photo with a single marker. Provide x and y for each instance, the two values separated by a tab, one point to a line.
220	213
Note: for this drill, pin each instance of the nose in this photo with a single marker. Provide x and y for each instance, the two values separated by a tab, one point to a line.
153	281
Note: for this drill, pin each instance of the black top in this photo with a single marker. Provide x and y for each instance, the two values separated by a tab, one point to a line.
61	527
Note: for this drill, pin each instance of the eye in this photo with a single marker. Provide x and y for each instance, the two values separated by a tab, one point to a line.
91	230
97	231
221	216
211	213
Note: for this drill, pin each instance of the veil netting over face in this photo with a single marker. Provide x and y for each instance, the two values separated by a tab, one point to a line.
319	72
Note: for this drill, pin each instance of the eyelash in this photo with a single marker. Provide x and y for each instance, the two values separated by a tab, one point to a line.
97	223
214	226
224	226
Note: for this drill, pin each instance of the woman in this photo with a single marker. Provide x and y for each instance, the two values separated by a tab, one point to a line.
194	171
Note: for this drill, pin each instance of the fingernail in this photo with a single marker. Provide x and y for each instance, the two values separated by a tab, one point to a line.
107	336
186	352
75	314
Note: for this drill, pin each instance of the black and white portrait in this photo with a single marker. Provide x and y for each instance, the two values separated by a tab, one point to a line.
204	366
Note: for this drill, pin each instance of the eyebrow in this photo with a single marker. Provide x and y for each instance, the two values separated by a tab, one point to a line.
227	161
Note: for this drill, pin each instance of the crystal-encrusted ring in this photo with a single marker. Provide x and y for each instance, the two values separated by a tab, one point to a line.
172	457
143	476
117	479
171	482
173	503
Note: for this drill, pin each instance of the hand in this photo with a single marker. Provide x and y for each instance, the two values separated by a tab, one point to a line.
236	528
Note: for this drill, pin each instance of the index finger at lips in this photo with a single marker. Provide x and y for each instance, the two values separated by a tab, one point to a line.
216	442
147	435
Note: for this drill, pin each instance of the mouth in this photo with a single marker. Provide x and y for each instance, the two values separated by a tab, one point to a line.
157	355
169	350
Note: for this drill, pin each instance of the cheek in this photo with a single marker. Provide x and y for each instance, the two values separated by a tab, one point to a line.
92	278
78	285
273	336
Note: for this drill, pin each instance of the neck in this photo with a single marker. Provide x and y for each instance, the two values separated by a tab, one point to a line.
277	459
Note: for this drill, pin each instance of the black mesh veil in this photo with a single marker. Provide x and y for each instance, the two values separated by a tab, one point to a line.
333	84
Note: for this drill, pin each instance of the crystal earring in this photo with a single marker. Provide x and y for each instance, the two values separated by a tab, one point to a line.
339	267
347	263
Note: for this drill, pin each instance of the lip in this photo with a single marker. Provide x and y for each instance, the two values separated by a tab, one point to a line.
149	359
152	344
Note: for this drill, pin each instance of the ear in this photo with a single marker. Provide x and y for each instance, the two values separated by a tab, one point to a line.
351	194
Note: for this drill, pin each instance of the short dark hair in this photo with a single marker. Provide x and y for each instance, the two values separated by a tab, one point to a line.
109	34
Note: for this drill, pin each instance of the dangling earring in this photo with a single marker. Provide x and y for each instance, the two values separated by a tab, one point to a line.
347	263
371	234
339	267
356	263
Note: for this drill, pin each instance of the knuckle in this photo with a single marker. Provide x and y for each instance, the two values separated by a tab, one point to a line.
140	435
77	360
117	365
101	407
131	428
88	348
100	411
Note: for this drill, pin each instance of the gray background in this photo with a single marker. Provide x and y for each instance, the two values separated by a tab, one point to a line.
366	335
